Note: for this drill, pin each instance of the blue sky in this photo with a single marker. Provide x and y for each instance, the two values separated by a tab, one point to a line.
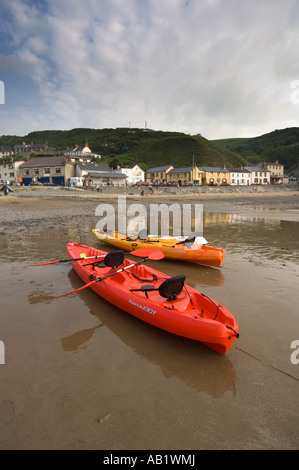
221	68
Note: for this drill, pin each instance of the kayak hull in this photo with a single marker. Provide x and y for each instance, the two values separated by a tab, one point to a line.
192	314
205	255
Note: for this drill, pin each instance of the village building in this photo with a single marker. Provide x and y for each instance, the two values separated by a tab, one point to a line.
215	176
134	174
80	154
93	174
27	149
239	176
9	172
107	179
259	175
185	176
4	153
56	171
276	171
157	174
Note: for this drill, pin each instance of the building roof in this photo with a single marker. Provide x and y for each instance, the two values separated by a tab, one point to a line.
181	170
158	168
217	169
93	166
256	168
44	162
238	170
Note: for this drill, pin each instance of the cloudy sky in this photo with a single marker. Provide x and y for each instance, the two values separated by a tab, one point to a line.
221	68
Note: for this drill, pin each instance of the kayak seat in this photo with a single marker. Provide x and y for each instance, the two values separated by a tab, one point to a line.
172	287
169	289
112	259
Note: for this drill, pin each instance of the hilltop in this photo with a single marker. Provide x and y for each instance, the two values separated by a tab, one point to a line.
128	146
281	145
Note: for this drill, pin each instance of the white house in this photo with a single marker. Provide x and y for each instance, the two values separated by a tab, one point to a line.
9	172
134	174
80	153
83	168
240	176
259	175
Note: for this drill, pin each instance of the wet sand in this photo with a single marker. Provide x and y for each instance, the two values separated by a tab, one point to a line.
81	374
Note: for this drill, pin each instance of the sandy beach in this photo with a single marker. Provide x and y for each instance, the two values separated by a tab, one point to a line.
81	374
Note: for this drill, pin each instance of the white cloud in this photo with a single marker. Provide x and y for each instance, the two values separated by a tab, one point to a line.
221	68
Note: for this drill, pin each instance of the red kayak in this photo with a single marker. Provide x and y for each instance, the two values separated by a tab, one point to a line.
163	301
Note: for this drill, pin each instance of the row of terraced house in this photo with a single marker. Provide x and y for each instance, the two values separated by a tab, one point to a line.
262	173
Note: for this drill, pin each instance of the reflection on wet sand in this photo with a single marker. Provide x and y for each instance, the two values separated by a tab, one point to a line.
73	342
264	238
178	357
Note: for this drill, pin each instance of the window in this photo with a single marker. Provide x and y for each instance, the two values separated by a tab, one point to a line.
26	171
46	171
35	171
57	170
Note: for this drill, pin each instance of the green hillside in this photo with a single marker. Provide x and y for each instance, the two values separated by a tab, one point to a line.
281	145
129	146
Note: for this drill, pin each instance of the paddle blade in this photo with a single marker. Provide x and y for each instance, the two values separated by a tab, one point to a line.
149	253
43	264
156	255
142	252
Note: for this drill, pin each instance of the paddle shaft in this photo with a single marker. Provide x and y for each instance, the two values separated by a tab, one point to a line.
105	277
67	260
120	270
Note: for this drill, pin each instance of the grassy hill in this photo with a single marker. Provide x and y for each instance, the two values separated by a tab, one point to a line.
154	148
129	146
281	145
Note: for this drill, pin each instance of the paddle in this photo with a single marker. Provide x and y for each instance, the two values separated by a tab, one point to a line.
83	257
147	252
68	260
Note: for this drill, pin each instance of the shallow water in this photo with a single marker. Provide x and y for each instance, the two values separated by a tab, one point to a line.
81	374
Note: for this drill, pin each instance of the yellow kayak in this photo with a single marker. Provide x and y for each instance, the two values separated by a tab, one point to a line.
171	248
